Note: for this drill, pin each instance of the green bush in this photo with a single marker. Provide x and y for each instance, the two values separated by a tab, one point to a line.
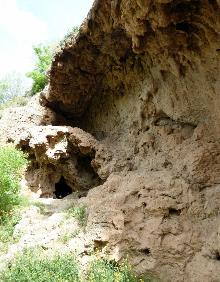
109	271
79	213
44	55
70	34
103	270
31	266
12	162
43	61
7	226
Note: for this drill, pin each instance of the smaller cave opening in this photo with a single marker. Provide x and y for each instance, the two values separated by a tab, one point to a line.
62	189
99	245
174	212
146	251
87	172
217	255
184	26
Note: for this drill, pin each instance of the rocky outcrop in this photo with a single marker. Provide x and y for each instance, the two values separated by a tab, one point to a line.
154	50
62	160
16	120
143	78
139	87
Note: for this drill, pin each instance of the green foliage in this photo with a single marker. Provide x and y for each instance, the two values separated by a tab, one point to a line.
7	225
12	162
71	33
43	55
31	266
67	236
109	271
35	266
80	213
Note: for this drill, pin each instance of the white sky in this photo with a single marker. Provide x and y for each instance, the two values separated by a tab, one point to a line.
24	23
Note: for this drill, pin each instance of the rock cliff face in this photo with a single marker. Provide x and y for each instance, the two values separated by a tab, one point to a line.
154	50
143	78
140	87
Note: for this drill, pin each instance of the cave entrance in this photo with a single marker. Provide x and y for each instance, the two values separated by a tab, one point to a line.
62	189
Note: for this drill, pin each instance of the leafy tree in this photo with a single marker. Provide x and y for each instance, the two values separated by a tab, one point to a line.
43	55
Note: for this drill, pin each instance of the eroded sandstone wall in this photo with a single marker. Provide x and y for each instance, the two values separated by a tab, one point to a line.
142	76
166	51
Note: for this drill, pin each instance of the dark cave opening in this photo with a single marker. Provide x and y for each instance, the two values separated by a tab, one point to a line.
146	251
173	212
183	26
217	255
84	166
62	189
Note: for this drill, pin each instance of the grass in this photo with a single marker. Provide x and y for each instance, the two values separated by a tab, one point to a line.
12	163
7	225
41	206
67	236
33	265
79	213
103	270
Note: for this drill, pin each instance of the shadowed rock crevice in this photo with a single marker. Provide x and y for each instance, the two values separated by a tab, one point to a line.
62	160
62	189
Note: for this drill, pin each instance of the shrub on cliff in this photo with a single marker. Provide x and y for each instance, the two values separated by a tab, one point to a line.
67	38
12	162
43	55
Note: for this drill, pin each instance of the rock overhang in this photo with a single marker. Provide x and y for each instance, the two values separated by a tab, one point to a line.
161	42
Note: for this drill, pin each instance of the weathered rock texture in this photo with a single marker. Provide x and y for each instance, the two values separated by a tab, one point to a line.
143	78
16	120
57	152
150	51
